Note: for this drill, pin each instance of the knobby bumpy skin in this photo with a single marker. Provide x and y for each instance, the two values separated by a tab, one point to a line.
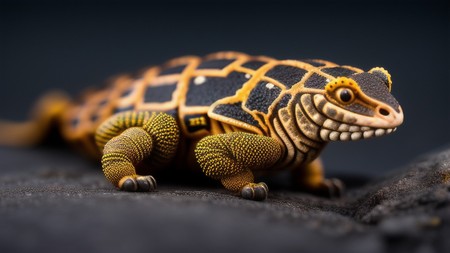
130	138
246	113
231	158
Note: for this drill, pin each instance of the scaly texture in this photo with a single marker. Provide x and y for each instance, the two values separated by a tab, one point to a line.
165	133
225	155
245	112
237	181
156	139
123	152
118	123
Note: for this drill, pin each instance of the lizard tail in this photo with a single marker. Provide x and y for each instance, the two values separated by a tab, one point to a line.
46	113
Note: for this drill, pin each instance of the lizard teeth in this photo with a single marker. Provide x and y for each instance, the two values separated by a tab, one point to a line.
334	136
345	136
343	128
324	133
331	124
366	133
380	132
356	136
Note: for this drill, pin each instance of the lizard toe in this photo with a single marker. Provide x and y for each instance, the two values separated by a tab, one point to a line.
128	184
331	188
146	183
254	191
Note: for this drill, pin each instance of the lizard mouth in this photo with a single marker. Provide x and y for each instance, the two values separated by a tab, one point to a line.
353	133
344	125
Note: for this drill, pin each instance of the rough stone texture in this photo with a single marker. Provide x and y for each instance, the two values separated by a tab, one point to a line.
53	201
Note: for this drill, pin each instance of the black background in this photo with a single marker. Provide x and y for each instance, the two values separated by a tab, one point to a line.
71	46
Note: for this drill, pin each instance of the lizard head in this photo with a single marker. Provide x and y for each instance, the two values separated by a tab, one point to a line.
359	106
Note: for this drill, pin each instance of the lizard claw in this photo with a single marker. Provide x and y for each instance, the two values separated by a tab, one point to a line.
139	183
331	188
254	191
146	183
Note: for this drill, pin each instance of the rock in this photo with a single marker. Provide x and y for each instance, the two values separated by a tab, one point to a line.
423	186
52	201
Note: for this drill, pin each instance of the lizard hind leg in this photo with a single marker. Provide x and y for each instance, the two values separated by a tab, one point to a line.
129	138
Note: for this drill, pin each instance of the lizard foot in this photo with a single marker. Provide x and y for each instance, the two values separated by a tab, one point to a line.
137	183
254	191
331	188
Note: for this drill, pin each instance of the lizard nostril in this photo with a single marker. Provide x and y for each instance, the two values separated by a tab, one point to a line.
384	112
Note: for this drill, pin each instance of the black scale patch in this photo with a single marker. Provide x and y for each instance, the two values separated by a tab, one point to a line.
212	89
74	122
215	64
313	63
354	107
316	81
235	111
262	96
287	75
159	94
123	109
102	102
381	75
197	122
94	117
284	101
338	71
126	92
253	64
173	70
375	87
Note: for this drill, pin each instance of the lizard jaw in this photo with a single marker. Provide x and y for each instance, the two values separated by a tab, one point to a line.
343	125
362	133
368	127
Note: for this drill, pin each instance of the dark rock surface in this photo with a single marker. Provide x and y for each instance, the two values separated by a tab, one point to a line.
53	201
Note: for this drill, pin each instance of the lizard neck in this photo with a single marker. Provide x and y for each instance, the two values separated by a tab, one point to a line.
297	126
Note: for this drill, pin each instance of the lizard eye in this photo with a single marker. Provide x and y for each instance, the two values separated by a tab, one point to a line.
345	96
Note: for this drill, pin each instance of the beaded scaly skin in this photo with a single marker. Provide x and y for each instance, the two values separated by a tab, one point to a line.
229	114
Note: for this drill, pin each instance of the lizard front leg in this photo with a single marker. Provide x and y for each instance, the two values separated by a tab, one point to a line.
130	137
232	157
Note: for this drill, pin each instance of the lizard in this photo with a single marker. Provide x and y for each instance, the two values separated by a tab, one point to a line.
228	114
